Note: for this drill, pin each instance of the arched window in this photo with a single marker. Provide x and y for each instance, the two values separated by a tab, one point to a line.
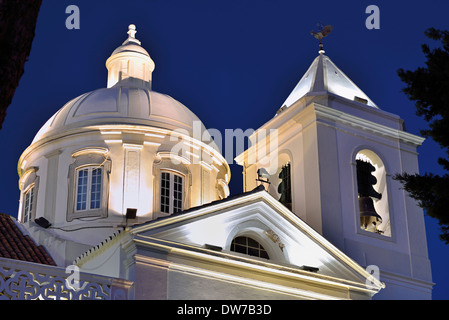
372	193
249	246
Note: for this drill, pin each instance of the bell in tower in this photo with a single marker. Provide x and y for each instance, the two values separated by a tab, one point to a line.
369	218
284	187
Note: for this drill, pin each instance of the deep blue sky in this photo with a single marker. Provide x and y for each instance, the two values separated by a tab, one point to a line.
232	62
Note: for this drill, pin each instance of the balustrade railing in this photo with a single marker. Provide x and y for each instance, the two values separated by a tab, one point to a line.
20	280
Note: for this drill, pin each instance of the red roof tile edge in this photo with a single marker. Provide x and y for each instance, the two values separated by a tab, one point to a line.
14	244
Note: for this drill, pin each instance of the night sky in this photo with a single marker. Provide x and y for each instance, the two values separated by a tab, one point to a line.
232	62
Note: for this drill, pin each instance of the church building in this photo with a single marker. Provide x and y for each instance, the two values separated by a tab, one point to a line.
126	185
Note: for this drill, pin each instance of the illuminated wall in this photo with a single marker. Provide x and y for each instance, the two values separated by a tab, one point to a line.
129	134
323	133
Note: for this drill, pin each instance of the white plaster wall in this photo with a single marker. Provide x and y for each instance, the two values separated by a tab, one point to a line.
52	196
325	186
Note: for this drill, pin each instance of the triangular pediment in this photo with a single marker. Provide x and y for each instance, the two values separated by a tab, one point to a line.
291	244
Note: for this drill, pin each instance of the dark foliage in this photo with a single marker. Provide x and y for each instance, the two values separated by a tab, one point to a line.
17	24
429	87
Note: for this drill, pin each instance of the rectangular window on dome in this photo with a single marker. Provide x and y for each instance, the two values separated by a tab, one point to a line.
89	188
95	194
165	192
28	206
88	184
172	190
177	193
81	198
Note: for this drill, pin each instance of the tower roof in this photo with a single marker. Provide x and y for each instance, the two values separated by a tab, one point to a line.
322	77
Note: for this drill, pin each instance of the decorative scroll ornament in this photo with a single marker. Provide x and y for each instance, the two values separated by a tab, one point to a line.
275	238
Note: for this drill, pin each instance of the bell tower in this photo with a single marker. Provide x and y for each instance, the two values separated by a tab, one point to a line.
342	152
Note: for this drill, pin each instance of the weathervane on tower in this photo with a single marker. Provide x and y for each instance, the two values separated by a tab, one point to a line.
322	32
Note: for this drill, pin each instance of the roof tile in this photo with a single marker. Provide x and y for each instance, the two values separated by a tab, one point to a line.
14	244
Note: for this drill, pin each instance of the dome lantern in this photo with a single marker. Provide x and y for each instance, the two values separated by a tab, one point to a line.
130	63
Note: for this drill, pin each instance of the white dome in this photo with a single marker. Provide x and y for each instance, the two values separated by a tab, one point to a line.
124	131
123	105
127	100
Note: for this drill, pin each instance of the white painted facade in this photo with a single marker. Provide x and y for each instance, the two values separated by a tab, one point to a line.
189	256
316	250
132	133
321	133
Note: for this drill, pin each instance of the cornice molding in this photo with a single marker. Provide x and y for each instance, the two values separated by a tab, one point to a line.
364	124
